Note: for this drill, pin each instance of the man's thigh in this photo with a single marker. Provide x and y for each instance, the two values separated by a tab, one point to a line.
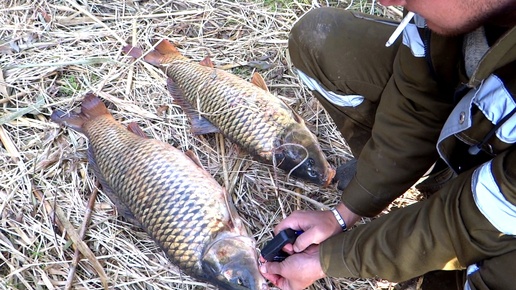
344	53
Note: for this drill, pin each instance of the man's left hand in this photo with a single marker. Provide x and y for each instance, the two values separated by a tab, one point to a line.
296	272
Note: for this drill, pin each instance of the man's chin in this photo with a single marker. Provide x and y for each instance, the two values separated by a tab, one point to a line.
450	30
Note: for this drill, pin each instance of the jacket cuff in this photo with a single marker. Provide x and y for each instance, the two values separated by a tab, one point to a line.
331	258
360	201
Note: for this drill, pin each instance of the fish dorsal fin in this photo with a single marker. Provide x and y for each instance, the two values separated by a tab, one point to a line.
199	124
137	130
258	81
207	62
194	158
165	47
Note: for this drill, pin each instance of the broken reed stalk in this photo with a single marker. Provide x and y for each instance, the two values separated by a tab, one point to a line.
82	233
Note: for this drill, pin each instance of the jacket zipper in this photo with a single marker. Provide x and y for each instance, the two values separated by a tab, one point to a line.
426	42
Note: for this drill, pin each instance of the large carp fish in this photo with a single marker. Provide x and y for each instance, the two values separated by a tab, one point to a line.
246	113
170	196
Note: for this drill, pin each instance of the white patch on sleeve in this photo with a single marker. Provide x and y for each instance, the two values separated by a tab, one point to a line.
491	202
471	269
493	99
466	286
332	97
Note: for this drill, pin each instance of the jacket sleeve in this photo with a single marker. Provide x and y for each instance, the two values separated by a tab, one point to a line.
469	220
413	108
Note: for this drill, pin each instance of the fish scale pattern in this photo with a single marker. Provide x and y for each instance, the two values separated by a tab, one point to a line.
179	204
245	113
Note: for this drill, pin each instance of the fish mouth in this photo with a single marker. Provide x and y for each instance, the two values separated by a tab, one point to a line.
231	262
329	177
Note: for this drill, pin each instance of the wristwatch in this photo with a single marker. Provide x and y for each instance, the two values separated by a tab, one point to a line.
340	220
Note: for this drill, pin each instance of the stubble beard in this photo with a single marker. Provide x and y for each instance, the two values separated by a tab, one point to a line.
504	16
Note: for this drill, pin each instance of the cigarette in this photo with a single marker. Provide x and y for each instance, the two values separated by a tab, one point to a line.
399	29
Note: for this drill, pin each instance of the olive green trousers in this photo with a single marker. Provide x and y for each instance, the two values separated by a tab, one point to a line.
343	52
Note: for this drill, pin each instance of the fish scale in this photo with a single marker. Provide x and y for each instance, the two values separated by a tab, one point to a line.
215	92
173	199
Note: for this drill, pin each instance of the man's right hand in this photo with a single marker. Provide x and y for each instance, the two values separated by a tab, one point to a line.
316	225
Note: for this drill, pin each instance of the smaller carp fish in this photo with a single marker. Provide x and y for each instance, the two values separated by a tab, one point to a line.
171	197
246	113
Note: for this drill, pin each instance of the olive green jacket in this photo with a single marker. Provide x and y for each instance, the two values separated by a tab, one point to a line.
430	108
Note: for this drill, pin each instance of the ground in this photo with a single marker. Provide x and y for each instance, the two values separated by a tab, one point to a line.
52	52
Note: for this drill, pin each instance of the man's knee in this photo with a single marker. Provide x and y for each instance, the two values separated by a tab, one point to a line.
311	33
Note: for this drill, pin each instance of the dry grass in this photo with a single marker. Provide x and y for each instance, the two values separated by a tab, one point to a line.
54	51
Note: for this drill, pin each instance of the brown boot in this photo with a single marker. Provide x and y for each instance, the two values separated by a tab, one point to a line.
345	173
436	280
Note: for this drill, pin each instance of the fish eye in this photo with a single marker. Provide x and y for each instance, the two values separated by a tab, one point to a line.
310	161
237	280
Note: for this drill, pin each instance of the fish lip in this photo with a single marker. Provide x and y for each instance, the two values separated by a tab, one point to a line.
329	177
265	286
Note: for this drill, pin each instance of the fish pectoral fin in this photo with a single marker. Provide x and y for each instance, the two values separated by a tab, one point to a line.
207	62
199	124
298	117
120	205
258	81
137	130
295	115
194	158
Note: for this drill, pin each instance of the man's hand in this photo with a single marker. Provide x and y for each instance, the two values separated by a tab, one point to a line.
296	272
316	225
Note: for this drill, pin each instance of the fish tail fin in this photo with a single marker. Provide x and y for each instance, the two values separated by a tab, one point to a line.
133	51
72	119
164	49
153	57
91	108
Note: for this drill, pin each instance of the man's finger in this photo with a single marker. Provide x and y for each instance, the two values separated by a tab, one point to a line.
289	223
272	268
289	249
269	273
304	241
